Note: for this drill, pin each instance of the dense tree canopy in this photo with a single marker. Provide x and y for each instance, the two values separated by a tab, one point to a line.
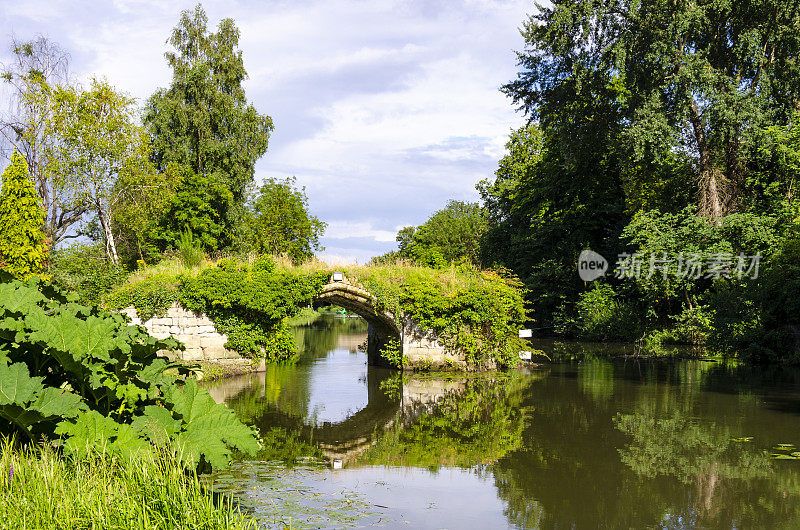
699	79
203	121
278	221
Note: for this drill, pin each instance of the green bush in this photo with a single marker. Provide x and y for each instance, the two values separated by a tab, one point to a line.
84	376
602	316
84	269
251	304
759	320
151	295
190	250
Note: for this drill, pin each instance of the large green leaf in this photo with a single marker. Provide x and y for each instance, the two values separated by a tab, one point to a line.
157	424
91	431
26	403
209	429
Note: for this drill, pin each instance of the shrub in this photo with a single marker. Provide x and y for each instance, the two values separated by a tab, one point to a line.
85	376
22	244
190	249
602	316
84	269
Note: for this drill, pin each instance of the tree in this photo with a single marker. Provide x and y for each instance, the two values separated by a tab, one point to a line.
196	206
552	198
697	78
142	213
279	221
203	121
101	142
28	127
451	234
23	249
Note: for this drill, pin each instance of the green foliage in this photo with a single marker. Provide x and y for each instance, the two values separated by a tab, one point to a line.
203	122
392	352
668	81
151	295
250	304
23	250
45	490
85	270
101	142
145	198
450	235
278	222
477	312
602	315
198	205
547	203
85	376
758	320
189	250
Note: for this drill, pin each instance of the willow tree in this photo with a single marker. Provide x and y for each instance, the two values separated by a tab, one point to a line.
203	120
701	79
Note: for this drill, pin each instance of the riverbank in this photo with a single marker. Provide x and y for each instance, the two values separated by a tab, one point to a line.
41	489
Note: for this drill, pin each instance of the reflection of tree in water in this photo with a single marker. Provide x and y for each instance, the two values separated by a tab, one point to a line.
476	422
317	339
727	476
668	460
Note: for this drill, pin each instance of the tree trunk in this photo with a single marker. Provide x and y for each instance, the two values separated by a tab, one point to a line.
111	248
711	181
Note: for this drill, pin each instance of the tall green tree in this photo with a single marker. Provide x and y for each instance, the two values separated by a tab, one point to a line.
195	207
203	120
280	223
698	78
23	250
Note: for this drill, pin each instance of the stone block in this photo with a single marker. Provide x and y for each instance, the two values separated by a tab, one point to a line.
213	342
192	354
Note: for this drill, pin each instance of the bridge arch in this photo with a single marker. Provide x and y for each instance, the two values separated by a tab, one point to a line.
381	324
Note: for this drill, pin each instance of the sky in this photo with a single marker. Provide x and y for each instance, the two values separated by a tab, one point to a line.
383	110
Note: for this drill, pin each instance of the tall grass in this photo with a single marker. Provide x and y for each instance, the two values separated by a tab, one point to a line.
190	250
40	489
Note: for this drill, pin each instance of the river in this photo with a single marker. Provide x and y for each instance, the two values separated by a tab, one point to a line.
596	443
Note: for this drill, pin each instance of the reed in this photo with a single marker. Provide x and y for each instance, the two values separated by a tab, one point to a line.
41	489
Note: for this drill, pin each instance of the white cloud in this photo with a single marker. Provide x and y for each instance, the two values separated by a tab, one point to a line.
384	110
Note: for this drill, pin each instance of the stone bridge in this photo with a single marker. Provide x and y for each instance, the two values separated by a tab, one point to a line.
421	348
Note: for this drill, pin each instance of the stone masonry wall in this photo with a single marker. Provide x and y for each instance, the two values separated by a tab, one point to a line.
423	349
196	332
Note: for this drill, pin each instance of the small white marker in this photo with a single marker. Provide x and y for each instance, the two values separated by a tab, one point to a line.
525	355
525	334
338	276
337	464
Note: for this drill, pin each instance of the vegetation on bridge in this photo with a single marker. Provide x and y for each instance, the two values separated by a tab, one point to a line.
477	312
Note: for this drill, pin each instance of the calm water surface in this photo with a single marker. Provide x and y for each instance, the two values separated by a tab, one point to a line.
596	443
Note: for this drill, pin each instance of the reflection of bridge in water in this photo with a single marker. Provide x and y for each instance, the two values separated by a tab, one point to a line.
350	438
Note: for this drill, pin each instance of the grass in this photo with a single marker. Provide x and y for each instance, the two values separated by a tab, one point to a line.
41	489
